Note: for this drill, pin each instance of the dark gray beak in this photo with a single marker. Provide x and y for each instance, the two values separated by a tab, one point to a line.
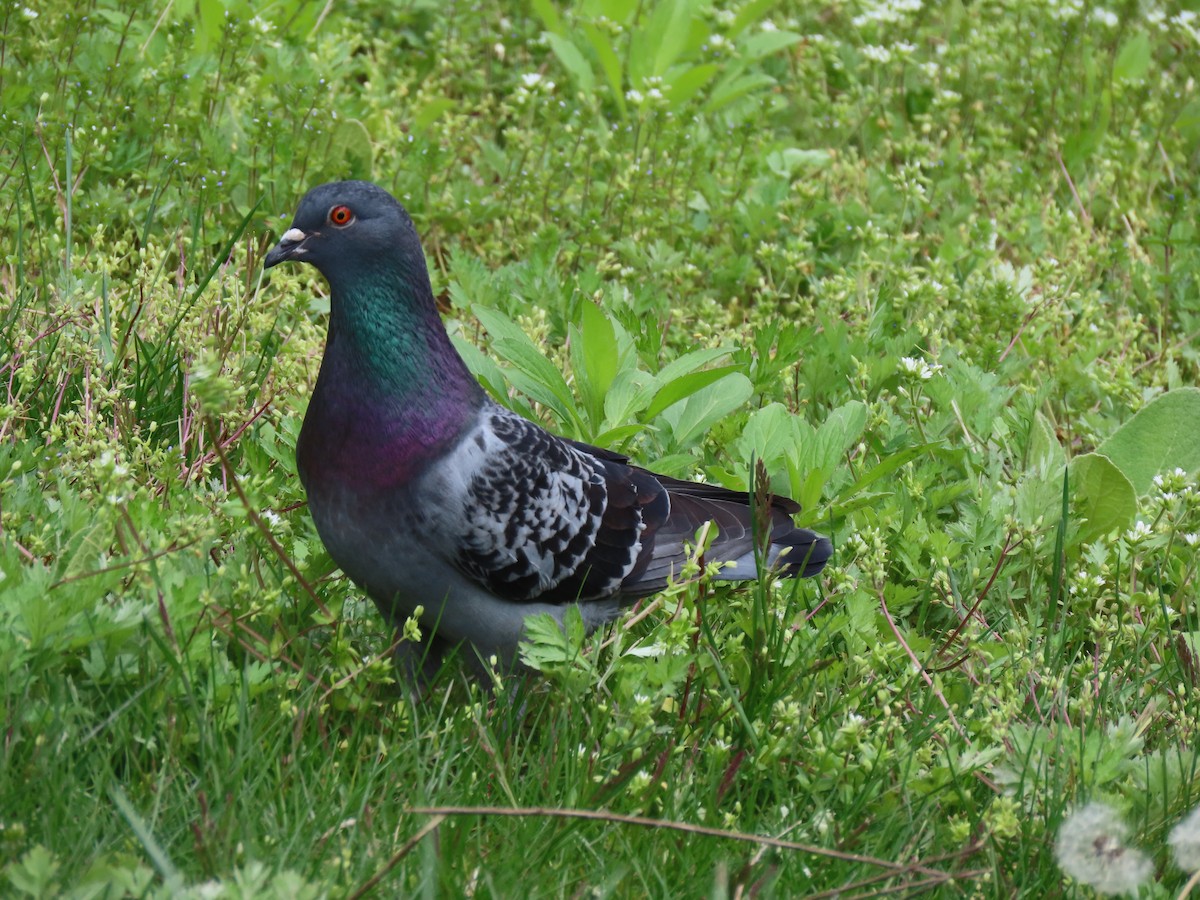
290	246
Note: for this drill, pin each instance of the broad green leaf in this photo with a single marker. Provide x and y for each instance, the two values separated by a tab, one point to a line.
787	162
731	89
686	81
684	386
614	10
614	436
1187	122
534	388
1133	59
610	63
483	367
542	380
689	362
675	465
595	357
1104	499
432	111
497	324
547	11
656	45
1045	452
885	468
867	498
210	22
628	395
764	43
691	418
838	432
748	14
668	32
350	142
574	62
1162	436
493	155
770	434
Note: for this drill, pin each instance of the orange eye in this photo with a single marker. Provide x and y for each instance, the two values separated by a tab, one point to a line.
341	215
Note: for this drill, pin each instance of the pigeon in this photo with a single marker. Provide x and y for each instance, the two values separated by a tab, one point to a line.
432	497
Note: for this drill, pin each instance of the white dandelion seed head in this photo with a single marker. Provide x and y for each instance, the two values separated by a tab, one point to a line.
1091	849
1185	842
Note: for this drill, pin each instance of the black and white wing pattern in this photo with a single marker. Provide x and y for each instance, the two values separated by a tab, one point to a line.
548	521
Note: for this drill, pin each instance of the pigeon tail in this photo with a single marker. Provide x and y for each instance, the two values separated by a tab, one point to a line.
799	553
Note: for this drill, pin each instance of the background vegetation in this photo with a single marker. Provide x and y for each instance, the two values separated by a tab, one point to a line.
935	265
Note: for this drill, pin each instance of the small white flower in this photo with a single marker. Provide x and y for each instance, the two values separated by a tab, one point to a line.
1138	533
877	54
272	517
1091	849
1185	842
918	367
531	79
29	13
634	96
498	49
717	41
261	25
1106	17
768	25
1191	538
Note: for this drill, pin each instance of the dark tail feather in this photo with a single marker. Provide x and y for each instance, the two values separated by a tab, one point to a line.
800	553
793	551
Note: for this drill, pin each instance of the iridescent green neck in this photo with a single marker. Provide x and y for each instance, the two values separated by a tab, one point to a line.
386	327
392	395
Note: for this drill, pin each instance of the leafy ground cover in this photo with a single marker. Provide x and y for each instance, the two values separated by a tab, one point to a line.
935	266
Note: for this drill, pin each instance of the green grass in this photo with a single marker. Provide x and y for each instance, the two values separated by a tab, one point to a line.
936	267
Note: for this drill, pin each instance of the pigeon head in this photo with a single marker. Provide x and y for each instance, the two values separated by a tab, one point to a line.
347	227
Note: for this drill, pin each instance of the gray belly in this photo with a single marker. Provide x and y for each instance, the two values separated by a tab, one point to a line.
403	564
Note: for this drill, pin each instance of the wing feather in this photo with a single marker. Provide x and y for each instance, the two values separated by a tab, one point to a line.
556	521
548	521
